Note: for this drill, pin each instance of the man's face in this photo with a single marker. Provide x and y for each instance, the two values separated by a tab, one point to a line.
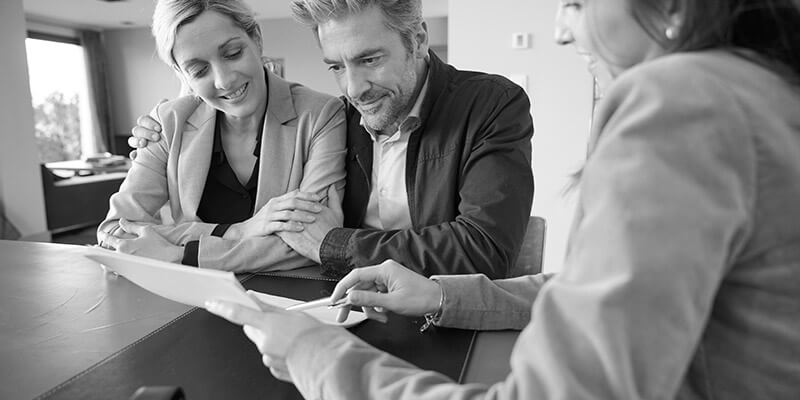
372	67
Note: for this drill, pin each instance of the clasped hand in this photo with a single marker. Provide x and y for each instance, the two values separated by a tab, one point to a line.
287	212
141	240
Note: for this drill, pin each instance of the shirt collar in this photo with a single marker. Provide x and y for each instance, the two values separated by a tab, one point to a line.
412	121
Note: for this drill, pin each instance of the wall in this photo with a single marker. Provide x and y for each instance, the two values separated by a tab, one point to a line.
139	79
480	35
20	179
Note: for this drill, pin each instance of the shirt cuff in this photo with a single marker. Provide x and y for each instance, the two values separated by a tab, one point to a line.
190	251
219	230
333	252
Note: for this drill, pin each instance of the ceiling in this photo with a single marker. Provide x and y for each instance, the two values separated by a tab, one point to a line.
97	14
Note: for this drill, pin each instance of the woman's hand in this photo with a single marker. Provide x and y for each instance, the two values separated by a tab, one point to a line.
141	240
389	286
272	330
287	212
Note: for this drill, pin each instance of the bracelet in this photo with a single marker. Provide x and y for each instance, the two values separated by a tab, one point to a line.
432	319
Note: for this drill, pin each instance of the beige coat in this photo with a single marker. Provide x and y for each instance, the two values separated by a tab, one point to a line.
683	271
302	146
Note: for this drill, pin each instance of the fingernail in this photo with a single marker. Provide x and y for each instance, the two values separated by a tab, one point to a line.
156	137
212	305
142	142
341	304
317	207
380	318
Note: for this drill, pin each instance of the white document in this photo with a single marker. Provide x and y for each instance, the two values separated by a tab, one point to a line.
194	286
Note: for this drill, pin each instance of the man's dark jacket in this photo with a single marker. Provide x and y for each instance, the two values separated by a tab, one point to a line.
468	178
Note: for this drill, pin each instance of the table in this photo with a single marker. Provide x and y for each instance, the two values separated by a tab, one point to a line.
80	167
61	316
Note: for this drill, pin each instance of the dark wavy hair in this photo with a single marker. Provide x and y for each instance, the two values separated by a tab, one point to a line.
769	28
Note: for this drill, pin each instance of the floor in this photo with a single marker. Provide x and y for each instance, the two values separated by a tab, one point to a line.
80	236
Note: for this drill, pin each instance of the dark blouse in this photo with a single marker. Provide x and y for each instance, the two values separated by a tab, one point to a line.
225	200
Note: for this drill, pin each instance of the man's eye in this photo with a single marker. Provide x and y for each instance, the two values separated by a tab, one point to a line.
370	60
572	4
335	68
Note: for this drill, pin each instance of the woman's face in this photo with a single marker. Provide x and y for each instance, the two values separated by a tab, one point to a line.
222	65
605	31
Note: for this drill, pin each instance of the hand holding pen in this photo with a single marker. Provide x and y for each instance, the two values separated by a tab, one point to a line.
388	286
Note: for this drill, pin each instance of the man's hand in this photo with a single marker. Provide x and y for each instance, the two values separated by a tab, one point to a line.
287	212
146	130
142	240
308	241
272	330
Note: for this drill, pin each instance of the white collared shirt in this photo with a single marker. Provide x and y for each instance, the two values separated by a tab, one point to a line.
388	201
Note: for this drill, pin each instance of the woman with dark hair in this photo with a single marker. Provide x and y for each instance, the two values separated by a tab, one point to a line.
682	273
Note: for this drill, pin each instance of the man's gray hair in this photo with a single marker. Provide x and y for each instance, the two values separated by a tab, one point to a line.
402	16
169	15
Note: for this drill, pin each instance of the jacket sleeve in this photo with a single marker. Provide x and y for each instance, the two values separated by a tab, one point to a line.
477	302
666	200
144	190
324	166
495	191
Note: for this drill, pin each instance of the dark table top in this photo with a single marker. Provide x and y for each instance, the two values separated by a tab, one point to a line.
62	318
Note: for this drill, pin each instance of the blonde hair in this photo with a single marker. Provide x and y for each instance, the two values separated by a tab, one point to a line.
402	16
170	15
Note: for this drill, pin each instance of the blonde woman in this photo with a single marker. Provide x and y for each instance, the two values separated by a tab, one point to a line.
245	157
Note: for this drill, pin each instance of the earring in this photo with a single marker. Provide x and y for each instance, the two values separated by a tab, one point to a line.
671	32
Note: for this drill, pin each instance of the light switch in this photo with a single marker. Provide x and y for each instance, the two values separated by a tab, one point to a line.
521	40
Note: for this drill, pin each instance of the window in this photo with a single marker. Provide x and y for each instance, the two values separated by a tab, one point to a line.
59	91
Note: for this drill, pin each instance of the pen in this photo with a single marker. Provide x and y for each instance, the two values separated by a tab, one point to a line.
323	302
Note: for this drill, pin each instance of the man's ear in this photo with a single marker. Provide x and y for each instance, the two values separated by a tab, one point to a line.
421	38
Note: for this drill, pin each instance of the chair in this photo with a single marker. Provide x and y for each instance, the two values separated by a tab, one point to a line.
531	255
7	229
79	201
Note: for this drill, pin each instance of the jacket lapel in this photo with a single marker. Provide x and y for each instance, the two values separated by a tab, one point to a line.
277	142
197	142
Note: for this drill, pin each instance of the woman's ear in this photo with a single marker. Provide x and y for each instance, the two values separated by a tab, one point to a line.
675	15
185	88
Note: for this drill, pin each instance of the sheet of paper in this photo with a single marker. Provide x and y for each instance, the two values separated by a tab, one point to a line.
191	286
194	286
324	314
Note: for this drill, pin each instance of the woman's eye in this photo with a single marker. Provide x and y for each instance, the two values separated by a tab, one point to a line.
198	72
234	54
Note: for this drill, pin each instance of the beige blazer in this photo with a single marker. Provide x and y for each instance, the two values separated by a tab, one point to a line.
302	146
